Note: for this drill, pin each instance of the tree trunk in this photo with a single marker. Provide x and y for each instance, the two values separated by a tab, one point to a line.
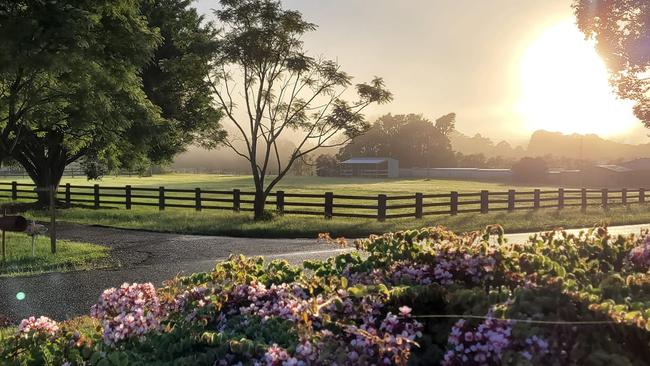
44	162
259	205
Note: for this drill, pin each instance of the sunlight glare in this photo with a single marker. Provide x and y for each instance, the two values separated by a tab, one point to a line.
564	87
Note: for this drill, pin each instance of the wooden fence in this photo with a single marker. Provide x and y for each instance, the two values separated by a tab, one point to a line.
329	204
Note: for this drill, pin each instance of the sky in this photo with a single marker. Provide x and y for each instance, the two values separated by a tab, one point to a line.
505	67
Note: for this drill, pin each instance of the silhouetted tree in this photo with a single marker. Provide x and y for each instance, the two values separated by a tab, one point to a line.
282	88
621	29
412	139
326	166
533	170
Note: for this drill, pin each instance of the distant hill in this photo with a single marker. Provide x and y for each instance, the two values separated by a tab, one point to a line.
545	143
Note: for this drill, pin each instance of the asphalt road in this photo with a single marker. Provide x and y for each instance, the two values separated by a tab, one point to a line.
151	257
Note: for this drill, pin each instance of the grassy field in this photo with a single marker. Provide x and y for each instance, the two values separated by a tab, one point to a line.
294	226
362	186
70	256
223	222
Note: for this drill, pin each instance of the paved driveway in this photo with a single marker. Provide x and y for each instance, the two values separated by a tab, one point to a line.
150	257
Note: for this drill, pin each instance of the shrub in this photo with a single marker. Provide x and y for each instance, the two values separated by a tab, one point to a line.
532	170
417	297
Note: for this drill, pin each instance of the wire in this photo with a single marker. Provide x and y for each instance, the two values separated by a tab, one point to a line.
529	321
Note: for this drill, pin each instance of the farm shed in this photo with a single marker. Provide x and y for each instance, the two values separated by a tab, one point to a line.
370	167
458	173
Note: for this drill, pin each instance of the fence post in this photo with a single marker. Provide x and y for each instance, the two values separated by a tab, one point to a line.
127	200
511	200
96	195
329	202
485	201
624	196
536	198
419	200
236	200
14	190
560	198
279	202
68	201
605	200
198	205
161	198
453	203
641	195
381	207
583	200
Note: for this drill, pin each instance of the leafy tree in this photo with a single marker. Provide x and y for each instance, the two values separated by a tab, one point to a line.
326	165
412	139
621	29
282	89
99	111
533	170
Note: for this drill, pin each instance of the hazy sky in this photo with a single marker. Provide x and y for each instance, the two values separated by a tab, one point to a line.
465	56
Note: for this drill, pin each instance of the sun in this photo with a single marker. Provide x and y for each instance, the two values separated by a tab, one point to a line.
564	86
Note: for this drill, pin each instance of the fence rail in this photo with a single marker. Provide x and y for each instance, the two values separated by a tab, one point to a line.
328	204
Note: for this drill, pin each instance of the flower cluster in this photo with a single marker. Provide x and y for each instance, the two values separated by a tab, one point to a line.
482	345
283	301
42	325
639	257
128	311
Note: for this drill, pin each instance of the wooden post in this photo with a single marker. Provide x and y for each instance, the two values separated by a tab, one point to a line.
198	205
279	202
583	200
381	207
236	200
161	198
329	203
453	203
127	198
96	195
511	200
14	190
419	201
68	193
560	198
536	198
624	196
485	201
605	200
52	228
641	195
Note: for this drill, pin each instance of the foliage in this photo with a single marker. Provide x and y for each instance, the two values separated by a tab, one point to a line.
415	297
412	139
281	89
530	170
327	165
621	29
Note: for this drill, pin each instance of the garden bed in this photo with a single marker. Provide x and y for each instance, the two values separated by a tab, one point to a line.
418	297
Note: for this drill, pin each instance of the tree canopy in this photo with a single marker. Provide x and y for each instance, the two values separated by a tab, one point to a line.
101	81
268	86
621	29
412	139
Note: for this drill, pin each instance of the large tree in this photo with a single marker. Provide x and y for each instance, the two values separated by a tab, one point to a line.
621	29
268	87
135	96
412	139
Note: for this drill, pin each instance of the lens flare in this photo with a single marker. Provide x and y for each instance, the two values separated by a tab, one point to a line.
20	296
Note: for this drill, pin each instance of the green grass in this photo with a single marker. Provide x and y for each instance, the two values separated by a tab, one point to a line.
69	256
364	186
294	226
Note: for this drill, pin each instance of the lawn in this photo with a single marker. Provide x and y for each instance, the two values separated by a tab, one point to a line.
295	226
70	256
363	186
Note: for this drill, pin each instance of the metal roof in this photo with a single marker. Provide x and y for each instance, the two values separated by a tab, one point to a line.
637	164
615	168
366	160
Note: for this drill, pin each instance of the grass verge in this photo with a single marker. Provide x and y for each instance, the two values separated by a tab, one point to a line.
70	256
291	226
